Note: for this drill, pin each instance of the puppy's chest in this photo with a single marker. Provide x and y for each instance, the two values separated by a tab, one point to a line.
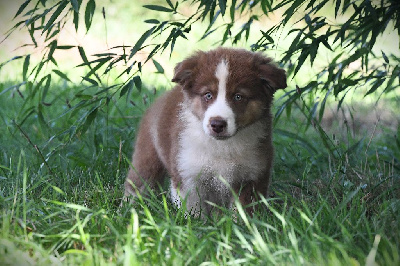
203	158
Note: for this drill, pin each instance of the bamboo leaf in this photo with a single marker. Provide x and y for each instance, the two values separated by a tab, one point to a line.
170	4
92	81
127	87
75	4
61	74
75	19
337	6
60	8
89	13
83	54
140	42
322	108
12	87
159	68
89	119
46	87
138	83
94	69
25	66
42	122
303	56
392	78
158	8
12	59
53	46
22	7
374	87
232	10
385	57
152	21
65	47
222	6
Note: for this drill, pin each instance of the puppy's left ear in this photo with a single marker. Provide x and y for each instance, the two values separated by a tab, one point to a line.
184	71
274	76
181	73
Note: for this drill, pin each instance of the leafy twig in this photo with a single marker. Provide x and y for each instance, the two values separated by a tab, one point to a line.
34	146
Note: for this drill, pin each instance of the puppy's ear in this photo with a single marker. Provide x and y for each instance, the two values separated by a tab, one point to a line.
274	77
183	71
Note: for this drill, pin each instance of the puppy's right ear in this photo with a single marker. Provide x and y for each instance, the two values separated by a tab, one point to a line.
184	71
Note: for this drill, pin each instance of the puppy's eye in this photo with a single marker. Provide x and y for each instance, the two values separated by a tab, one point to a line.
208	96
238	97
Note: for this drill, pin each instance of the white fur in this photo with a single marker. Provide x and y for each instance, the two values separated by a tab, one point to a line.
220	107
175	198
202	160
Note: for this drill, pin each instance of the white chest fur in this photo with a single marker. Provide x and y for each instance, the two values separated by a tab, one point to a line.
204	160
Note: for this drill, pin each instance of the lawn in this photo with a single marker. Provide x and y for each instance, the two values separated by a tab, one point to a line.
333	200
65	151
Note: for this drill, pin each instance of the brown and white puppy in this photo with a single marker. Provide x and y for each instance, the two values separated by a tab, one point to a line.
211	134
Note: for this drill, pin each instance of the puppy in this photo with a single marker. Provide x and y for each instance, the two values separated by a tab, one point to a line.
211	134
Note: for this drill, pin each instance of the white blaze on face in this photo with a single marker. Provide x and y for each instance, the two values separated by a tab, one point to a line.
220	108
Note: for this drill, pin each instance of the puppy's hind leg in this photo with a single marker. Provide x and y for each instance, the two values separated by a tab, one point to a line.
146	172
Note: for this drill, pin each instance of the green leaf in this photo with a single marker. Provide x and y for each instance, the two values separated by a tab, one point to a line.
158	8
159	68
170	4
65	47
292	10
313	51
53	46
395	74
62	75
385	57
94	69
76	15
376	85
312	114
42	122
127	87
222	6
303	56
25	66
46	87
265	6
152	21
22	7
322	108
89	119
140	42
83	54
12	59
92	81
75	5
89	13
60	8
232	10
138	83
12	87
337	6
267	36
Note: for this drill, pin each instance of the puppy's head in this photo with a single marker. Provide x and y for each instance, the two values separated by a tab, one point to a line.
228	89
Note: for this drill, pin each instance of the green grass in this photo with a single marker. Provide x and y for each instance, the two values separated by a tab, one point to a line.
333	202
335	194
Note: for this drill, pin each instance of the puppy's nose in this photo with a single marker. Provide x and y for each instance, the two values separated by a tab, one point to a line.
218	124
